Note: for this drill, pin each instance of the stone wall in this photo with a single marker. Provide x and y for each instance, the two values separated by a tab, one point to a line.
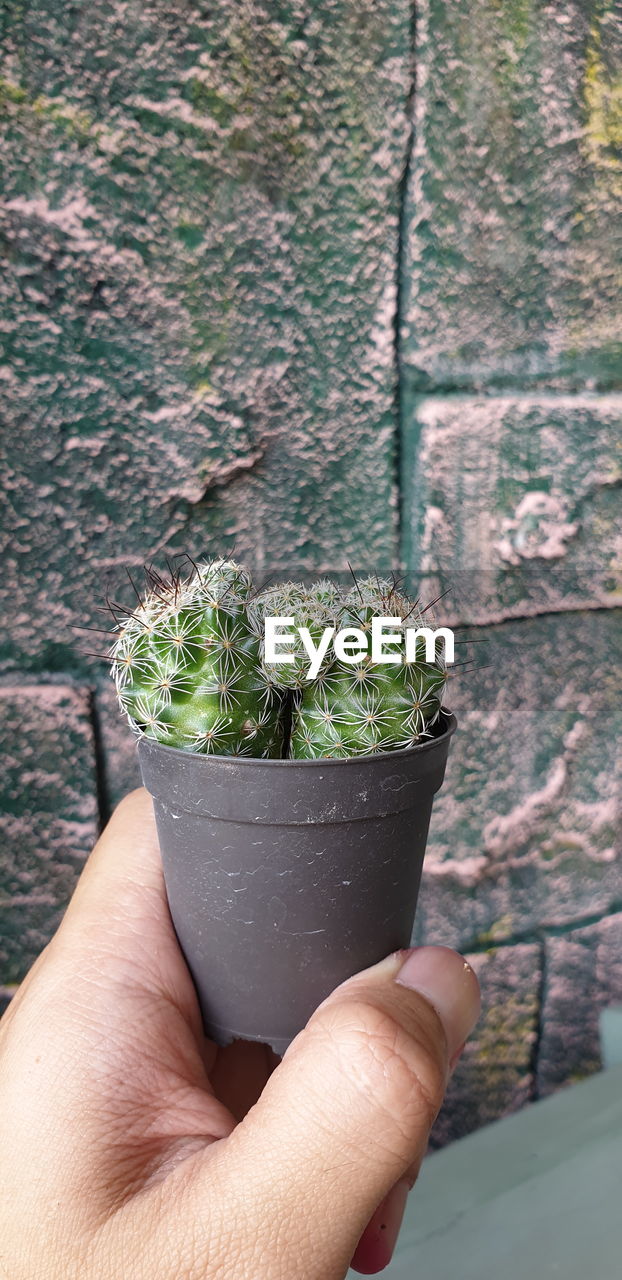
319	283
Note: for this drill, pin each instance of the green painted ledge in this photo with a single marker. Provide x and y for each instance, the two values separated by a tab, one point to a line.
535	1194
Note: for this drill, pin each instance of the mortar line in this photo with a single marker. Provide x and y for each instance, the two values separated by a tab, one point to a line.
517	391
534	1057
400	293
101	789
488	623
540	933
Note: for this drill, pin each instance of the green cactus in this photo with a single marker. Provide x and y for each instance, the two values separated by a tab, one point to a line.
191	669
187	669
315	607
366	707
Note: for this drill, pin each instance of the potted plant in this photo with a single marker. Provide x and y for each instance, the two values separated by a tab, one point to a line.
292	812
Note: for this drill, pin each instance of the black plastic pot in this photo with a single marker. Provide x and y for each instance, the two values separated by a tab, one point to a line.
285	877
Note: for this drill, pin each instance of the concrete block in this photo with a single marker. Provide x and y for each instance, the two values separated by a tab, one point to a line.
495	1073
583	975
526	831
513	236
48	814
513	503
202	223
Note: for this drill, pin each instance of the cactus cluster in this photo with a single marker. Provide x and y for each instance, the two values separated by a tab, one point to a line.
314	607
187	667
357	709
191	669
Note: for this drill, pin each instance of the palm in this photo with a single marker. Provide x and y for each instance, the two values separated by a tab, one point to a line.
154	1090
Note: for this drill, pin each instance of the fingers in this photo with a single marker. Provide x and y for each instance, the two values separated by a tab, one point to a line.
124	870
348	1112
121	893
118	918
105	1047
375	1248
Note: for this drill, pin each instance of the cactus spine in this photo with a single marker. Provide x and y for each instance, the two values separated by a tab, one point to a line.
315	608
191	669
362	708
187	669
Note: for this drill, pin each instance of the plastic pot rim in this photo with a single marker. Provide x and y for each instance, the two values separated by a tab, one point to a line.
449	718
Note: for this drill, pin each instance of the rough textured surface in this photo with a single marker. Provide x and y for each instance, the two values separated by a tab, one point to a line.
48	814
583	974
515	502
495	1073
513	232
527	831
266	274
200	216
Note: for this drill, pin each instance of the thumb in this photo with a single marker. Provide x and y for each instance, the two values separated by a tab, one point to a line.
347	1114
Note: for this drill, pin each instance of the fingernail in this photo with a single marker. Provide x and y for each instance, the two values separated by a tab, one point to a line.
448	983
376	1246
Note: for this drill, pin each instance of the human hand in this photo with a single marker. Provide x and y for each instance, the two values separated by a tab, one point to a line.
132	1148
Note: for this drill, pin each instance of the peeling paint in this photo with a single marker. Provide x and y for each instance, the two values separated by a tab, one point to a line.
538	529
